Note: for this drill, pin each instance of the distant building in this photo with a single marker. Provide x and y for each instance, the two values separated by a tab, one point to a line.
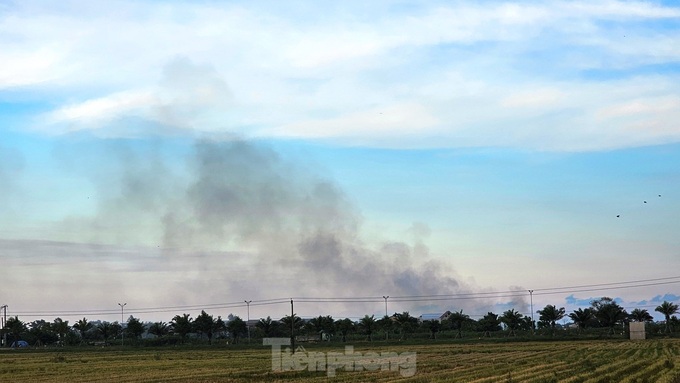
438	317
637	330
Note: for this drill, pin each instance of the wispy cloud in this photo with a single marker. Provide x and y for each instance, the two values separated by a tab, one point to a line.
451	71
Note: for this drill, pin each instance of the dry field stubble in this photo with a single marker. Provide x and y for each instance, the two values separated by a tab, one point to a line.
564	361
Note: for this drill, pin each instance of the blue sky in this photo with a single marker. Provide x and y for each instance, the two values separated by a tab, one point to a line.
184	153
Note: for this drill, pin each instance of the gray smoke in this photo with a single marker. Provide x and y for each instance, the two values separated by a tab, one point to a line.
11	165
236	215
244	195
11	168
230	219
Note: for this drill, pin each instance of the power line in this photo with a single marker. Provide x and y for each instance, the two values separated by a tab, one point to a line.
372	299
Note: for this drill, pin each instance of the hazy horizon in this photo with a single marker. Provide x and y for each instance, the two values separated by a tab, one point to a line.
183	154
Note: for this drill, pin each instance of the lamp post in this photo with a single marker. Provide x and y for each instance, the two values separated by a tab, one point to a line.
248	320
292	328
122	332
4	323
385	298
531	299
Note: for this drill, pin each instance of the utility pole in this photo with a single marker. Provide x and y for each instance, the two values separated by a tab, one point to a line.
385	298
531	299
248	320
292	327
122	331
4	323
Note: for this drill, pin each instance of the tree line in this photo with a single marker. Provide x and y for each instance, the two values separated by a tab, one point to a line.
604	314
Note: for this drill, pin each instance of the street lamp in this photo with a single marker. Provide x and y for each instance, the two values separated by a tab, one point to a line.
248	320
385	298
122	332
292	327
4	323
531	298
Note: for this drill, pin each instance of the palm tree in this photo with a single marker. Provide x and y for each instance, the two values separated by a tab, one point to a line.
135	328
82	326
344	327
367	325
488	323
640	315
182	325
116	330
667	309
60	327
320	325
609	313
268	326
511	319
405	323
42	332
203	324
551	314
159	329
105	329
434	326
15	327
219	326
458	319
236	326
386	324
582	317
297	323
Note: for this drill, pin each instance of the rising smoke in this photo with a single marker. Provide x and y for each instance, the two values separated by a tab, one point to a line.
226	220
238	217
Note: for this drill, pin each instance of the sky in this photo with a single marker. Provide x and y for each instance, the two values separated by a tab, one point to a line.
187	155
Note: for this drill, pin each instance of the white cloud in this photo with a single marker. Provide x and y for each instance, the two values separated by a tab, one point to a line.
24	68
535	98
102	110
463	74
393	120
656	105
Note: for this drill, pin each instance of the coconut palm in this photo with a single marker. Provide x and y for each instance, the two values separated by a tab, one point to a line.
608	313
458	320
405	323
205	324
344	327
434	326
182	325
61	328
386	324
82	326
267	325
582	317
41	332
106	330
236	327
159	329
320	325
135	328
551	314
511	319
368	325
640	315
488	323
667	309
297	323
